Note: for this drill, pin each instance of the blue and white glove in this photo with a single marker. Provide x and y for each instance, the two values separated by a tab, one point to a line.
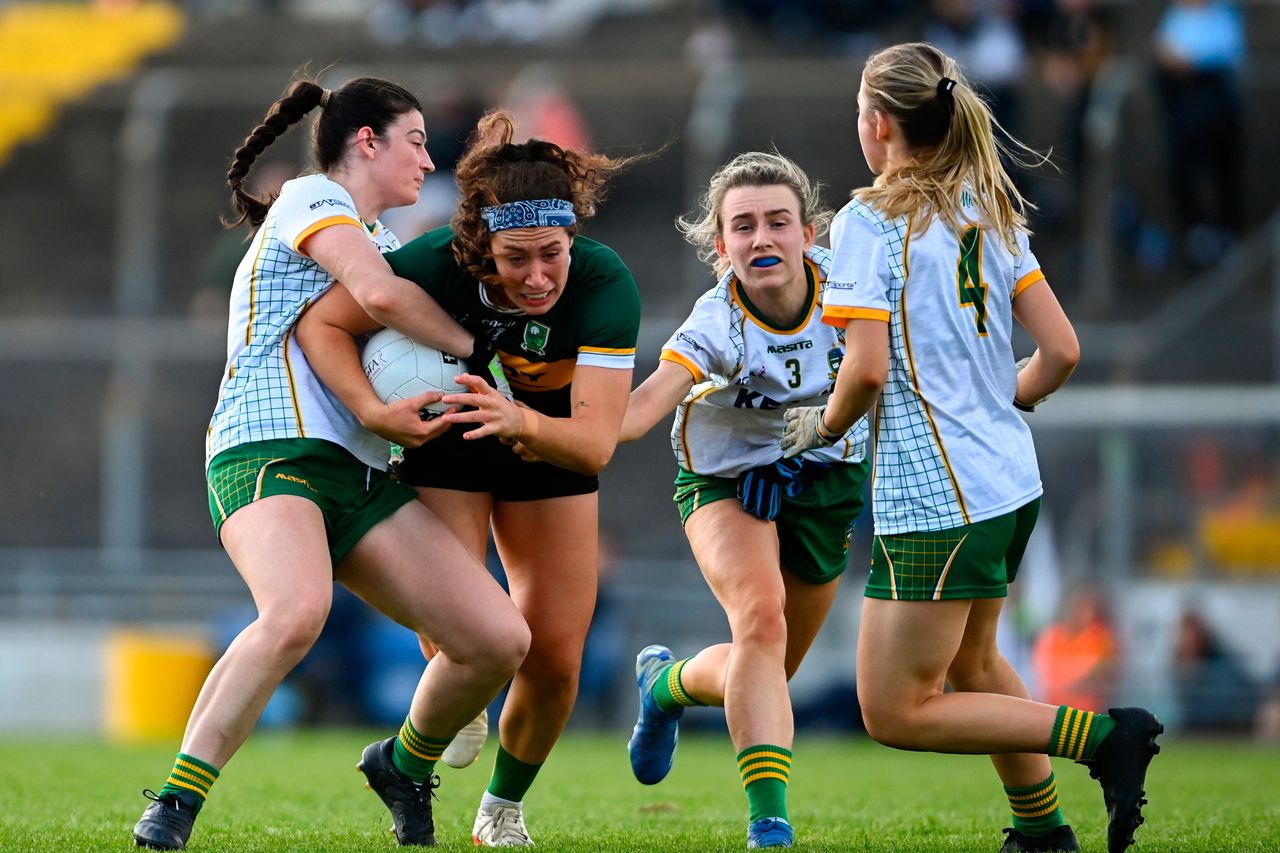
804	430
761	488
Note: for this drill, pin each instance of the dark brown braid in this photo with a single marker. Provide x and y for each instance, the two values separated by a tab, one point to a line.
362	102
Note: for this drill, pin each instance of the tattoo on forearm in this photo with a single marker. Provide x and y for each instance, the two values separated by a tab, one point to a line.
582	404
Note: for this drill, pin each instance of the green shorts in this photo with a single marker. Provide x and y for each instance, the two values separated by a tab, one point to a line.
352	496
813	527
976	560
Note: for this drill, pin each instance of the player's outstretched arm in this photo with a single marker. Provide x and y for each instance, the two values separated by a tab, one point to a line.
656	398
1057	349
392	301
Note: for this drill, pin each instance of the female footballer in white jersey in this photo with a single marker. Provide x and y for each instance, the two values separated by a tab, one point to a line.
297	488
770	535
931	267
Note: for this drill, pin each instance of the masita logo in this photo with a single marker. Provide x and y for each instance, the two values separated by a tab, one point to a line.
329	202
794	346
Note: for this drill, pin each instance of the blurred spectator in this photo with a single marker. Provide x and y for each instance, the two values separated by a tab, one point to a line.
1076	658
790	21
543	108
1075	41
988	48
1213	691
1199	51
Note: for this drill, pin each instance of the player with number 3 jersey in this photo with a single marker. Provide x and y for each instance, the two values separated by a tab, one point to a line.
771	535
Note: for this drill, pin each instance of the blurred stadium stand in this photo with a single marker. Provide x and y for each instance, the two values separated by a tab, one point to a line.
1161	461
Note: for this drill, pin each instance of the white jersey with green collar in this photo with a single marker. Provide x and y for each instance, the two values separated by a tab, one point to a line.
950	448
268	389
746	373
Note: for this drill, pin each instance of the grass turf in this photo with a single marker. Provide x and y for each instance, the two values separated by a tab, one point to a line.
301	792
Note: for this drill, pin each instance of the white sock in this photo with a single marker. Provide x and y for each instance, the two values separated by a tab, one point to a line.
488	801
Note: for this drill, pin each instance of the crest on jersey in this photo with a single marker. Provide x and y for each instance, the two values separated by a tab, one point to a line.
835	356
535	337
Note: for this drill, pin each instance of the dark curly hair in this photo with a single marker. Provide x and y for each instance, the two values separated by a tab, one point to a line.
494	170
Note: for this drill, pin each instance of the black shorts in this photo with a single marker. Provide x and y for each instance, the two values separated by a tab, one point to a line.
488	465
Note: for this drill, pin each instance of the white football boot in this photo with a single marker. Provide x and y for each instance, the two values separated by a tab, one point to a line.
500	825
465	747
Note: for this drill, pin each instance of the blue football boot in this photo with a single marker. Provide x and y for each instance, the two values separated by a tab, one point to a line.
770	832
653	741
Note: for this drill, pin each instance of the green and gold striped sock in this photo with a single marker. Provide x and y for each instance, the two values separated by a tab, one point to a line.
1035	809
190	775
511	777
668	692
765	770
1076	734
414	755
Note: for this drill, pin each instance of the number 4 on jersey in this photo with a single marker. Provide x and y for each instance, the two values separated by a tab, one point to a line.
972	289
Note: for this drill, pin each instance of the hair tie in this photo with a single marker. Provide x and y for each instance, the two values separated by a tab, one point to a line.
945	85
324	98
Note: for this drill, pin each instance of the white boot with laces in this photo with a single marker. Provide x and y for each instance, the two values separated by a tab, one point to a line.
500	824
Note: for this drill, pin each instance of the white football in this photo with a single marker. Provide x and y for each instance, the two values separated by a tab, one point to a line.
399	367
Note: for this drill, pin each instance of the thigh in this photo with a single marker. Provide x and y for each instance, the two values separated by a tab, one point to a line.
905	649
415	570
738	554
464	513
550	551
279	546
806	609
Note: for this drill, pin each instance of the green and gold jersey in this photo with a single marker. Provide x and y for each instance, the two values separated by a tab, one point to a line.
594	323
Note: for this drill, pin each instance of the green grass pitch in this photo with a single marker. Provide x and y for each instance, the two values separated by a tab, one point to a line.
301	792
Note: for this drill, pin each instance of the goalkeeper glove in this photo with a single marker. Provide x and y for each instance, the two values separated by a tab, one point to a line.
1018	404
804	430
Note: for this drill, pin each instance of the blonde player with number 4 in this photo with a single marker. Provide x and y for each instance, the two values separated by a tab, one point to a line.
770	535
931	267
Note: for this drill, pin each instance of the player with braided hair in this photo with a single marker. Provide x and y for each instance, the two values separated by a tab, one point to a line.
932	266
297	487
564	313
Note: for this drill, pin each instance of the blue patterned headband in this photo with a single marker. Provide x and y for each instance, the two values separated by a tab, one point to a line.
534	213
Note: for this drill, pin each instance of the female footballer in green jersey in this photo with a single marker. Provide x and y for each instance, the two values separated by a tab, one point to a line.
298	489
563	313
931	268
771	536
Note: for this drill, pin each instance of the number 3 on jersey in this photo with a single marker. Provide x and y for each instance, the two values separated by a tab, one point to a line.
972	289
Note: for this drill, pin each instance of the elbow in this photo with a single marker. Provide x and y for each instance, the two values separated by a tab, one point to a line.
594	463
1063	355
870	380
377	300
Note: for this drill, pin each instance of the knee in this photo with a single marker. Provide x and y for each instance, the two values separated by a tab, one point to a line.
886	727
552	672
293	629
885	722
506	648
761	623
